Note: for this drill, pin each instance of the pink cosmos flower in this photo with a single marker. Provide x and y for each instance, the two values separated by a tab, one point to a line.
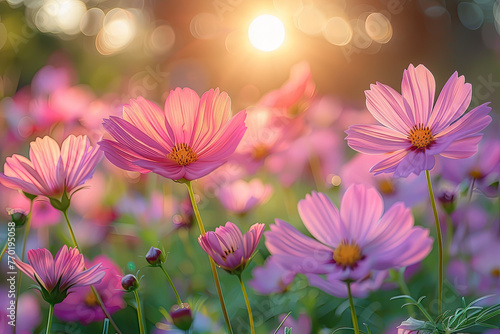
240	196
410	190
190	139
321	148
483	167
57	275
265	135
351	242
271	278
413	130
52	170
81	305
296	95
229	248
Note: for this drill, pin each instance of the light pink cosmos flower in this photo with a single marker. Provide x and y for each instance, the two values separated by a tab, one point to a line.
81	305
271	278
240	197
413	326
351	242
229	248
191	138
266	134
57	275
51	170
413	130
295	96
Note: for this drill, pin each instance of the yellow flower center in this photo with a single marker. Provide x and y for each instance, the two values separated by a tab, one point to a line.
347	254
90	299
260	151
386	187
420	136
495	272
182	154
476	174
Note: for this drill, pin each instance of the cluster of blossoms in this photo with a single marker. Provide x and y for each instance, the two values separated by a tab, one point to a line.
353	250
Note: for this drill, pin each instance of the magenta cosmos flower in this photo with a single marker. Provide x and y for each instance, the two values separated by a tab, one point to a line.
351	242
413	129
57	275
191	138
81	304
229	248
51	170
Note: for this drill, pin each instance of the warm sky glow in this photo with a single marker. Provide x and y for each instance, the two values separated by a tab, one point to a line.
266	33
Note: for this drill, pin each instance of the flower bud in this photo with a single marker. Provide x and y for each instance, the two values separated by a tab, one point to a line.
129	282
182	316
447	201
17	216
155	257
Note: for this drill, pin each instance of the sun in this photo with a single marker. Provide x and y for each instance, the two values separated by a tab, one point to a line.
266	33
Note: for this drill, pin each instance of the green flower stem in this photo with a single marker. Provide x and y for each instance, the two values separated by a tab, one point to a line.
250	316
4	249
179	302
353	310
139	313
212	263
96	294
440	244
25	240
405	290
49	320
72	234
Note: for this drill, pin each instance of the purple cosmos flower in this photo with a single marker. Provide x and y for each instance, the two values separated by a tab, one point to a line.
57	275
271	278
413	129
191	138
229	248
240	196
351	242
483	167
81	305
410	191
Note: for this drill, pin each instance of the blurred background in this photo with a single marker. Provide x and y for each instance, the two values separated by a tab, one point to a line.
117	45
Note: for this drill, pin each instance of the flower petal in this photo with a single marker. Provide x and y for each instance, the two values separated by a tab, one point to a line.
452	102
322	219
375	139
296	252
360	209
418	88
181	110
388	107
390	164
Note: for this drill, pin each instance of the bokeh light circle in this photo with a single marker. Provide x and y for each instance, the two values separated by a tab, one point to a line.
337	31
266	33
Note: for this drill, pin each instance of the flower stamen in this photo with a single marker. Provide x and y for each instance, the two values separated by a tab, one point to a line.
182	154
347	254
420	136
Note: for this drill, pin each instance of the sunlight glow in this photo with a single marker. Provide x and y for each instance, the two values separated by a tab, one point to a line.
266	33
